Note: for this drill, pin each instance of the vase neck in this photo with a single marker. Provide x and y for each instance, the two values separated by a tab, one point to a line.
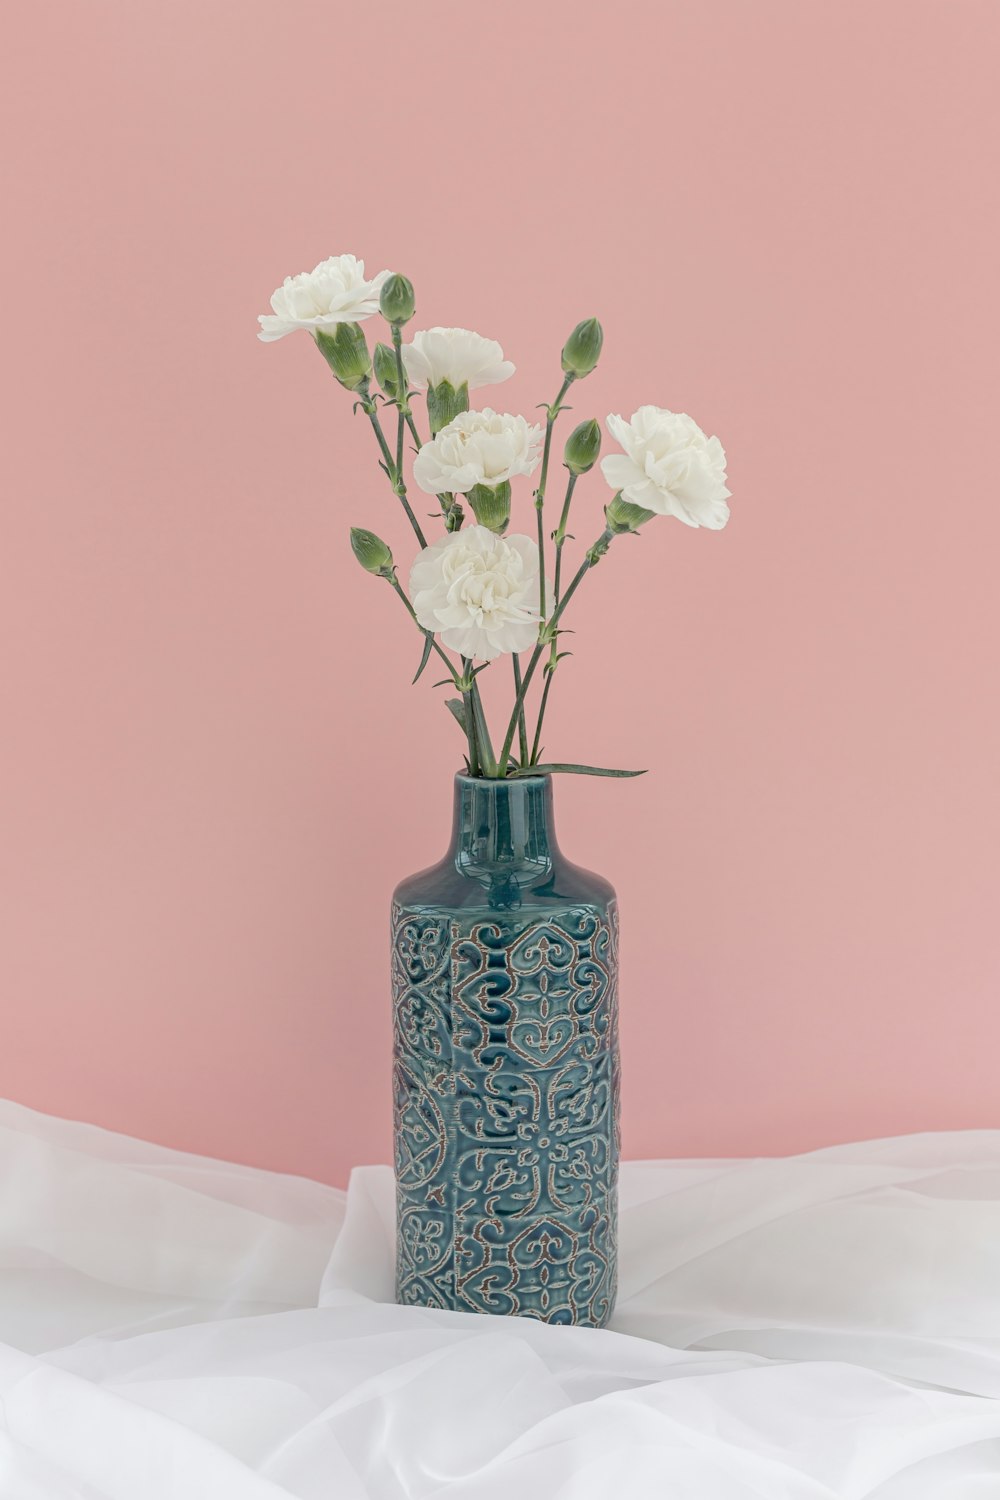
503	834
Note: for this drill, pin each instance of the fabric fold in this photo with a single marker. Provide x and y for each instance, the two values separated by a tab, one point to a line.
176	1328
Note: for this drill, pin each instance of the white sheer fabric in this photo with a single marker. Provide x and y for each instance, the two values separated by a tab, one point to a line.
180	1329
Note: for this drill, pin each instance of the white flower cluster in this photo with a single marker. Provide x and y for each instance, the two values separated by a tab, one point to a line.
335	291
455	355
477	447
669	467
477	590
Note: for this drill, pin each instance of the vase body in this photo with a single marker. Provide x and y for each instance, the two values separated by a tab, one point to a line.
506	1069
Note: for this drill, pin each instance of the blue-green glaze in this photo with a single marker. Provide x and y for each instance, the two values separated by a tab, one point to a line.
506	1069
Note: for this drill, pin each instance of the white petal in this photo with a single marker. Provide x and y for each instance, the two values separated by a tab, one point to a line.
492	375
620	470
272	328
650	497
619	430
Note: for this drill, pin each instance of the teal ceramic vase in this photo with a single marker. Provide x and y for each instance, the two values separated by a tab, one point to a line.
506	1069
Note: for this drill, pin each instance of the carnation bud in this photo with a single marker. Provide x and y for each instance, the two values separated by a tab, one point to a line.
582	447
397	300
346	352
622	515
445	403
582	349
491	505
386	370
371	552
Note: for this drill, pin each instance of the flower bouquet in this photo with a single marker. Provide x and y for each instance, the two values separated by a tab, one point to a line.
504	954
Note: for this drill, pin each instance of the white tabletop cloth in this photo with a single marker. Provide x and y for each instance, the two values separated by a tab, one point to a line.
176	1328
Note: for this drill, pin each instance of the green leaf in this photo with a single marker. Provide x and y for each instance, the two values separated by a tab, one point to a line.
425	658
456	707
574	771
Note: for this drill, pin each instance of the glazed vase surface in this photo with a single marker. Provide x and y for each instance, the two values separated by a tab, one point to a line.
506	1072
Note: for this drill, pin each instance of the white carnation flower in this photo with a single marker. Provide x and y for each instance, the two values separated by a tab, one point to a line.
478	592
477	447
335	291
669	467
457	355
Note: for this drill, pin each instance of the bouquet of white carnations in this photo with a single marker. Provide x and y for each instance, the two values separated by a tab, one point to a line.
480	592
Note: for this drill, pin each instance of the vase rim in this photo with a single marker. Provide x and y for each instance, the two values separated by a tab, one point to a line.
462	778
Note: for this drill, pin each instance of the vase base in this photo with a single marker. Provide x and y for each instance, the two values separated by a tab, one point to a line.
558	1269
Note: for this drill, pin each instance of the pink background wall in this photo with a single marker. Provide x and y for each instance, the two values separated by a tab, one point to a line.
785	215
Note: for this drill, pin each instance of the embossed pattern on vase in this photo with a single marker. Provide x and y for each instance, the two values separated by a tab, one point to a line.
506	1111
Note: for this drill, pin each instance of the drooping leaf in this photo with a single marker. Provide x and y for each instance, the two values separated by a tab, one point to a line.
551	770
456	707
426	656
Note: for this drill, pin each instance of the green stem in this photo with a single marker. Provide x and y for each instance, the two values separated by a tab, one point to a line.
486	752
560	538
406	411
402	402
398	588
484	745
371	411
550	417
605	539
456	679
470	727
537	741
594	554
394	470
471	718
522	727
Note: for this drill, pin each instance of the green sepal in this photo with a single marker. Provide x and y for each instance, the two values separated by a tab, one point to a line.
454	515
491	505
583	446
582	349
397	302
346	352
371	552
386	372
444	403
623	516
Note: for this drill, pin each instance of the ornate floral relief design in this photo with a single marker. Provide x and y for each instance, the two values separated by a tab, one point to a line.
506	1087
